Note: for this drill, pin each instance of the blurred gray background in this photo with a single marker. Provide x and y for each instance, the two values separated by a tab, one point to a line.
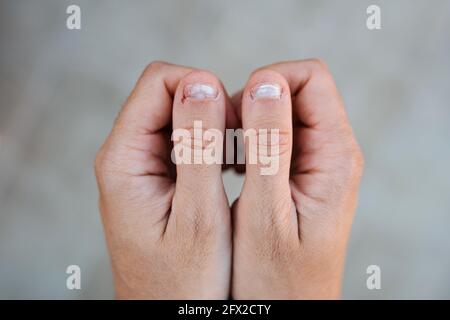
60	91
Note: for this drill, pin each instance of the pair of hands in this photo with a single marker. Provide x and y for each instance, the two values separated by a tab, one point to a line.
169	228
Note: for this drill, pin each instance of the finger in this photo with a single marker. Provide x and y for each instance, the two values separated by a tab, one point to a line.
149	107
266	112
316	100
326	153
198	132
138	144
137	147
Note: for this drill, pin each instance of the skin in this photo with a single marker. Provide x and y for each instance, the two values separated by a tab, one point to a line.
169	229
291	229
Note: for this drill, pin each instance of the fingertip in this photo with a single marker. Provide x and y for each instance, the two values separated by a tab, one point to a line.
199	85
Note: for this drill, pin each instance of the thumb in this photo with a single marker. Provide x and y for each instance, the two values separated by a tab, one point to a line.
267	124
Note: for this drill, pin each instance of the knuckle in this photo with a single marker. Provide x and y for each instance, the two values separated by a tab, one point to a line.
154	67
321	70
319	64
261	122
357	161
202	226
354	163
197	214
188	138
281	141
105	162
99	161
101	165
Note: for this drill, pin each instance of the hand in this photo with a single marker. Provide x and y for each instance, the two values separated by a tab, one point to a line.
291	228
167	229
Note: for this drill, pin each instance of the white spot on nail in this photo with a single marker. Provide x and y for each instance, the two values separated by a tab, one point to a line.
266	90
200	91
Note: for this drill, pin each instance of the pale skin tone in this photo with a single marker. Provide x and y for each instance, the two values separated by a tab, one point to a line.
170	231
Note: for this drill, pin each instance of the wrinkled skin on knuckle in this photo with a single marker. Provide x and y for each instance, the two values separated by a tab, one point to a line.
263	146
196	222
272	235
